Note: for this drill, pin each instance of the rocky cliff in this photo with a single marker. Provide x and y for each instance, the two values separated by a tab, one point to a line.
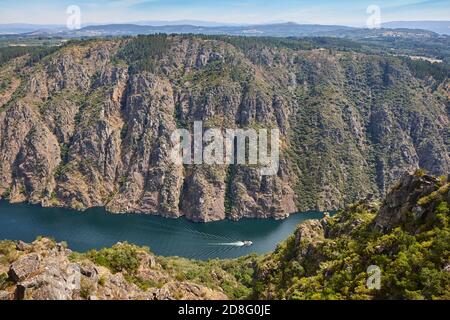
90	123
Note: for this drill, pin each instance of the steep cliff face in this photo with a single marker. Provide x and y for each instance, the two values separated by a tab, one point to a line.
90	125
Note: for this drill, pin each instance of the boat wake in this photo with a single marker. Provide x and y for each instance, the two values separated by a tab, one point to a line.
234	244
196	247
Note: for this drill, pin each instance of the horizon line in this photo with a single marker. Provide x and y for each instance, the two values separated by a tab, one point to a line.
151	23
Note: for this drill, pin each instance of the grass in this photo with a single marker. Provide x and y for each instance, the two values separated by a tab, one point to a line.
8	252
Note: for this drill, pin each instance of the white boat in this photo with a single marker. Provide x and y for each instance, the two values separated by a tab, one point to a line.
235	244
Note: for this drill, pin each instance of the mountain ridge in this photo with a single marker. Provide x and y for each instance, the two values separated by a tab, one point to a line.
438	26
287	29
441	27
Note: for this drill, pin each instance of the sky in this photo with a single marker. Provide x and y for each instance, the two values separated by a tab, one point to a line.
342	12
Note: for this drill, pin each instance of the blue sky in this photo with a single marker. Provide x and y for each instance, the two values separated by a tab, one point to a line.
343	12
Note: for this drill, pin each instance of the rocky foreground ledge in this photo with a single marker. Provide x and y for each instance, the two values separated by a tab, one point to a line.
46	270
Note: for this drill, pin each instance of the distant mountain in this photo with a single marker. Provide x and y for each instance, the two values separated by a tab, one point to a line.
18	28
199	23
275	30
441	27
289	29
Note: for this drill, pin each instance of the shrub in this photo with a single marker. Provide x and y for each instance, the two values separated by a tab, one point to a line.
121	257
102	280
3	281
143	284
420	172
86	288
443	208
8	252
6	194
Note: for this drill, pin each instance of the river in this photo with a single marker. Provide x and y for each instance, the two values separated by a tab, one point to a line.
95	229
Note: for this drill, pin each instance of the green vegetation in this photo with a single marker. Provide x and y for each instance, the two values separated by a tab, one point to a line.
8	252
234	277
178	116
4	83
62	168
6	193
20	41
124	131
255	43
34	53
142	52
9	53
3	281
412	263
420	172
38	54
434	196
341	110
231	171
122	257
425	70
64	149
86	288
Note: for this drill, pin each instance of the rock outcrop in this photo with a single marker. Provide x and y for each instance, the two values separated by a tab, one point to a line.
45	270
414	197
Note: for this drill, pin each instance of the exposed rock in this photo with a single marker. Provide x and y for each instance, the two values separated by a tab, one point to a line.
311	231
89	271
307	238
24	267
45	272
22	246
403	199
5	295
186	291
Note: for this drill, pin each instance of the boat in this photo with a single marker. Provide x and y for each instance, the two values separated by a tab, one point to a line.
235	244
